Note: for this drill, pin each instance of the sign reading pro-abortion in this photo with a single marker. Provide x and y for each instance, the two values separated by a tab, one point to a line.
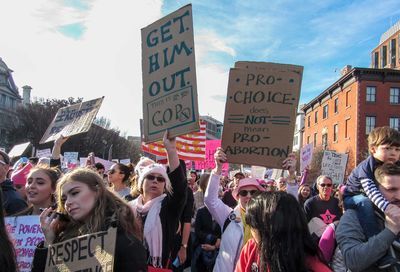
169	76
91	252
260	113
334	165
72	120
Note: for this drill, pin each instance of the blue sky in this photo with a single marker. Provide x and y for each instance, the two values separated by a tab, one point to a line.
91	48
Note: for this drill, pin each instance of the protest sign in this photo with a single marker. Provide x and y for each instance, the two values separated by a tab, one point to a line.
18	150
72	120
209	162
107	164
277	173
43	153
90	252
334	166
306	154
125	161
258	172
25	233
260	114
169	76
71	160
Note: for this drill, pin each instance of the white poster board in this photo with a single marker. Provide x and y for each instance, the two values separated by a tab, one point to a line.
334	165
18	150
25	233
306	154
258	172
43	153
72	120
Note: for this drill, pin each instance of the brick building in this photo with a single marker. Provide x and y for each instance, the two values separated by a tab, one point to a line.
341	117
386	54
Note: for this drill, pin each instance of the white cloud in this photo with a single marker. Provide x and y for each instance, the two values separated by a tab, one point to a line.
106	61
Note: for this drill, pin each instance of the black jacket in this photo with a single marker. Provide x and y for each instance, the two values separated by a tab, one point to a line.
12	201
130	255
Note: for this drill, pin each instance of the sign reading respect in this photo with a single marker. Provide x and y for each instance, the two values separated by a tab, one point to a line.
260	113
169	76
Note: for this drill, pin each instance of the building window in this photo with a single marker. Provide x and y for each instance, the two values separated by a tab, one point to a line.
371	94
308	139
316	117
315	139
335	132
325	112
369	124
393	52
309	121
376	60
394	95
336	105
347	98
325	140
346	129
384	56
3	100
296	140
394	123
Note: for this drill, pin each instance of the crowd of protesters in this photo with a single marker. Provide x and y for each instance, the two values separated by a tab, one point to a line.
173	218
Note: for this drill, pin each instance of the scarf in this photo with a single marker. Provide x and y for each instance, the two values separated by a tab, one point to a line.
152	229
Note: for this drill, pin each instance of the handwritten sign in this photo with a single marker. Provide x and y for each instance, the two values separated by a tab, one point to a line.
334	165
169	76
260	113
72	120
209	162
25	233
71	160
306	154
91	252
43	153
18	150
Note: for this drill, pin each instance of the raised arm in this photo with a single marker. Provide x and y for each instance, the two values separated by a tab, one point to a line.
217	208
172	153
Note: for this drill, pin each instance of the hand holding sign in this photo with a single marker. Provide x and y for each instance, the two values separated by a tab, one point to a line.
220	158
290	164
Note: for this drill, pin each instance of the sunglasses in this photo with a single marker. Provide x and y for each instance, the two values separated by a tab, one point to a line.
325	184
113	171
159	179
245	192
3	162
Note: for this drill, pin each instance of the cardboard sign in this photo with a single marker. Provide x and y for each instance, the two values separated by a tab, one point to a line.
169	76
260	114
18	150
72	120
306	154
209	162
25	233
91	252
334	165
43	153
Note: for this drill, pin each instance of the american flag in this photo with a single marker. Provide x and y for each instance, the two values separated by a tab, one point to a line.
190	146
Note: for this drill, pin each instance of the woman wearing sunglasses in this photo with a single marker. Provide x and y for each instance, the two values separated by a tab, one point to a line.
118	176
159	206
235	230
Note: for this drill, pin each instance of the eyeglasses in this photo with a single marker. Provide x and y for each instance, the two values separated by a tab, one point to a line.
3	162
113	171
245	192
325	184
159	179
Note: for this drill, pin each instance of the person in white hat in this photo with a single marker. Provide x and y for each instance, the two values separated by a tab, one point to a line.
159	206
235	230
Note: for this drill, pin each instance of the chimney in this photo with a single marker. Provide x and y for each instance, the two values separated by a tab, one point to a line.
26	94
345	70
